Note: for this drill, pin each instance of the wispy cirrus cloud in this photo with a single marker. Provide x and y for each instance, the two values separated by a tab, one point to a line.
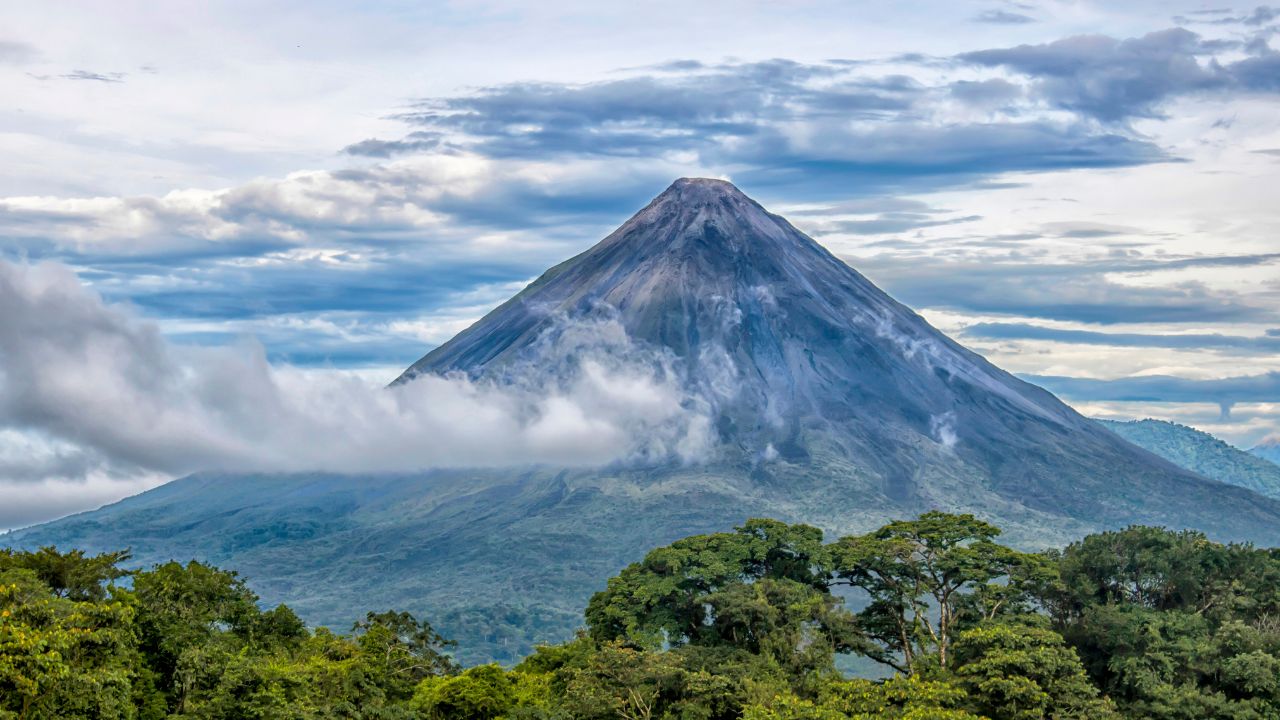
990	93
108	77
414	142
1259	16
1003	17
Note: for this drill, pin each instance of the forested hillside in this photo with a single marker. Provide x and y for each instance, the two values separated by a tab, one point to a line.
1140	623
1201	452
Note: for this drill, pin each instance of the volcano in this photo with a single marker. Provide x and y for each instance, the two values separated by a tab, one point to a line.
804	360
826	402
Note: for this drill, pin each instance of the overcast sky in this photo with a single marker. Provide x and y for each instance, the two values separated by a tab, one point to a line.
1084	192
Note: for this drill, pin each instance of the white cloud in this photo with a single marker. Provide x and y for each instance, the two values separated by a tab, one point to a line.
107	394
299	209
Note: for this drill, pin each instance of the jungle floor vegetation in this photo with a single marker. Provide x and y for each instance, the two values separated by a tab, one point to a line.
1140	623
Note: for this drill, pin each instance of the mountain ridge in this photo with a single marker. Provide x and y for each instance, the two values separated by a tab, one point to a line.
1201	452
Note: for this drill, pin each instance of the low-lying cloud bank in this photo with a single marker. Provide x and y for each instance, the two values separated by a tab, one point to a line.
90	391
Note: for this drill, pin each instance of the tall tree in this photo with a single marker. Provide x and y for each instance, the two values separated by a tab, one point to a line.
185	614
1172	625
1018	671
62	657
403	650
923	575
626	683
72	574
762	589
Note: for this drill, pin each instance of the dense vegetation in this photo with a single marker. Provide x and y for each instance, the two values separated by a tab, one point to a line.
1201	452
1140	623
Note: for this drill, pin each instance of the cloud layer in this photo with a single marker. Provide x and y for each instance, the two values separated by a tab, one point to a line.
87	388
1224	392
835	121
1115	80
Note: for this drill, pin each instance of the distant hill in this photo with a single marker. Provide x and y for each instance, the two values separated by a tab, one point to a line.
1268	449
1203	453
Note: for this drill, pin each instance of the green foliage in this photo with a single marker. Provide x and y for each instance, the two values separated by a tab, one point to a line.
1162	570
191	620
1171	625
1202	453
189	641
1013	671
1141	623
63	658
402	650
902	697
927	576
762	589
623	682
72	575
484	692
664	597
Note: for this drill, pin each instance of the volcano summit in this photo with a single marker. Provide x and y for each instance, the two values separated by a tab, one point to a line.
806	363
822	400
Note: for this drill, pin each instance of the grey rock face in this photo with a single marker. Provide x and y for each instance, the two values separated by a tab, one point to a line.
799	354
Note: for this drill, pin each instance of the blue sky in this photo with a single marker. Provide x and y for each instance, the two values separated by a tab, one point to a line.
1083	192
